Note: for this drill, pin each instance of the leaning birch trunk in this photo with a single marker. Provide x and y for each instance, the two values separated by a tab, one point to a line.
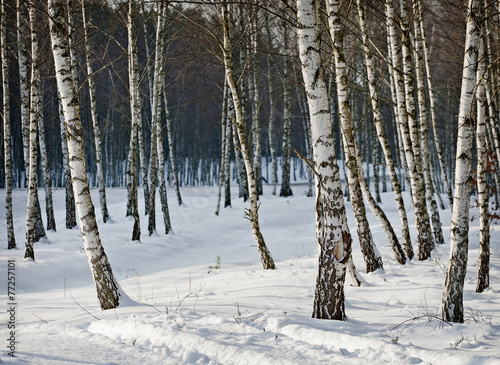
453	309
253	211
379	213
135	112
371	255
432	108
11	239
483	277
95	122
377	120
222	146
32	186
287	124
227	151
424	238
171	150
332	232
424	140
49	206
107	289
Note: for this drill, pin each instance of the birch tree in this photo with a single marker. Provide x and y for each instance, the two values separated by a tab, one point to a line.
25	87
69	194
32	185
253	211
108	291
287	124
95	120
171	150
483	277
332	232
407	123
371	255
377	120
49	206
133	74
453	309
11	239
424	140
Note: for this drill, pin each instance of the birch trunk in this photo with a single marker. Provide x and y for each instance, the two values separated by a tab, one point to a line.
371	255
453	309
483	277
171	151
69	196
23	54
32	185
95	122
227	149
159	82
332	232
107	289
377	120
424	140
11	239
49	206
222	147
135	112
287	133
257	144
409	133
253	212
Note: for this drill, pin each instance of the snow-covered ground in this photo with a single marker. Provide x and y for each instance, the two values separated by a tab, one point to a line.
190	311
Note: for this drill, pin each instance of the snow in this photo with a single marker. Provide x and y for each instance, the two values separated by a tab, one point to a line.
185	310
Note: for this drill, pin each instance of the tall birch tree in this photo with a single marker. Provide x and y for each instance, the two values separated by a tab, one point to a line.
135	112
453	309
371	255
253	211
11	239
95	120
108	291
483	277
377	120
407	123
32	185
332	232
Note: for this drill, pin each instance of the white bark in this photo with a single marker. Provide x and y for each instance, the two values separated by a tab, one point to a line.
135	112
95	122
252	213
11	239
409	133
424	140
377	120
483	277
371	255
107	289
453	309
332	232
